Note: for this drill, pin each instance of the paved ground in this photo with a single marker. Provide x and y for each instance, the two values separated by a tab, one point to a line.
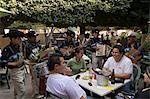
6	93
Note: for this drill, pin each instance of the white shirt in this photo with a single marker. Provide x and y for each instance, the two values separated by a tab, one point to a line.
123	66
86	58
64	86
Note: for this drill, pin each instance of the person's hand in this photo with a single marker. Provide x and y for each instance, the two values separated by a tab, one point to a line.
137	52
70	49
19	62
97	48
107	71
67	71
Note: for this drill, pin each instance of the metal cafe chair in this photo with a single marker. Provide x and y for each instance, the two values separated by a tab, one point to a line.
50	95
136	76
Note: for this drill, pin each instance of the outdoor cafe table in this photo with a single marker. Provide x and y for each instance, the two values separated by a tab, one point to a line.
99	90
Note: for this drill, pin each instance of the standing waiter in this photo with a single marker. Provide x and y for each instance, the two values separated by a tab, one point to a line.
13	58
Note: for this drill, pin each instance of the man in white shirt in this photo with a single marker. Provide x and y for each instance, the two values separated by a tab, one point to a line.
59	84
121	64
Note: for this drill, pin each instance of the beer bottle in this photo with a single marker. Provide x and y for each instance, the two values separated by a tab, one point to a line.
90	73
113	77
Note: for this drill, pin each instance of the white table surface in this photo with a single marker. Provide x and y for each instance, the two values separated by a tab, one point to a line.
99	90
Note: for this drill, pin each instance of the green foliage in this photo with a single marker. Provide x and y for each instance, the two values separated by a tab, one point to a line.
64	12
21	25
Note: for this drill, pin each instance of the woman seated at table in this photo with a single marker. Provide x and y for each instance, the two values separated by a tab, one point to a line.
77	63
145	93
122	65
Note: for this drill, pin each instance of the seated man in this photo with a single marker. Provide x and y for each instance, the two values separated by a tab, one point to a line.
133	49
122	65
60	84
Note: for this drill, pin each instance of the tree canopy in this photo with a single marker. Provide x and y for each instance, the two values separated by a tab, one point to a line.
62	12
136	15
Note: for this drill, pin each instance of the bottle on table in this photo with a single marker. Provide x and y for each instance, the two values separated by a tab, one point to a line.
113	77
90	72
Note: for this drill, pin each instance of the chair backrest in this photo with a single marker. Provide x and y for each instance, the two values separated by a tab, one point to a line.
136	77
50	95
136	72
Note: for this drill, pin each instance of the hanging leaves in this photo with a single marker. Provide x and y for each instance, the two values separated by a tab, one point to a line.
63	12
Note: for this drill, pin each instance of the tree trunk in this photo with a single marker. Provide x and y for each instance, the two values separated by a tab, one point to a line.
82	29
82	32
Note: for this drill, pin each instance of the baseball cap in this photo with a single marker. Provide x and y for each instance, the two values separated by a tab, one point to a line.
31	34
132	34
14	33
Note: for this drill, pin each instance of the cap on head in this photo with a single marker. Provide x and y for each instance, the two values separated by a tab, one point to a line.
31	34
132	34
14	33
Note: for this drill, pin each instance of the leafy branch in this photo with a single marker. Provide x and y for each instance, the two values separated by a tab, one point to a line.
63	12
